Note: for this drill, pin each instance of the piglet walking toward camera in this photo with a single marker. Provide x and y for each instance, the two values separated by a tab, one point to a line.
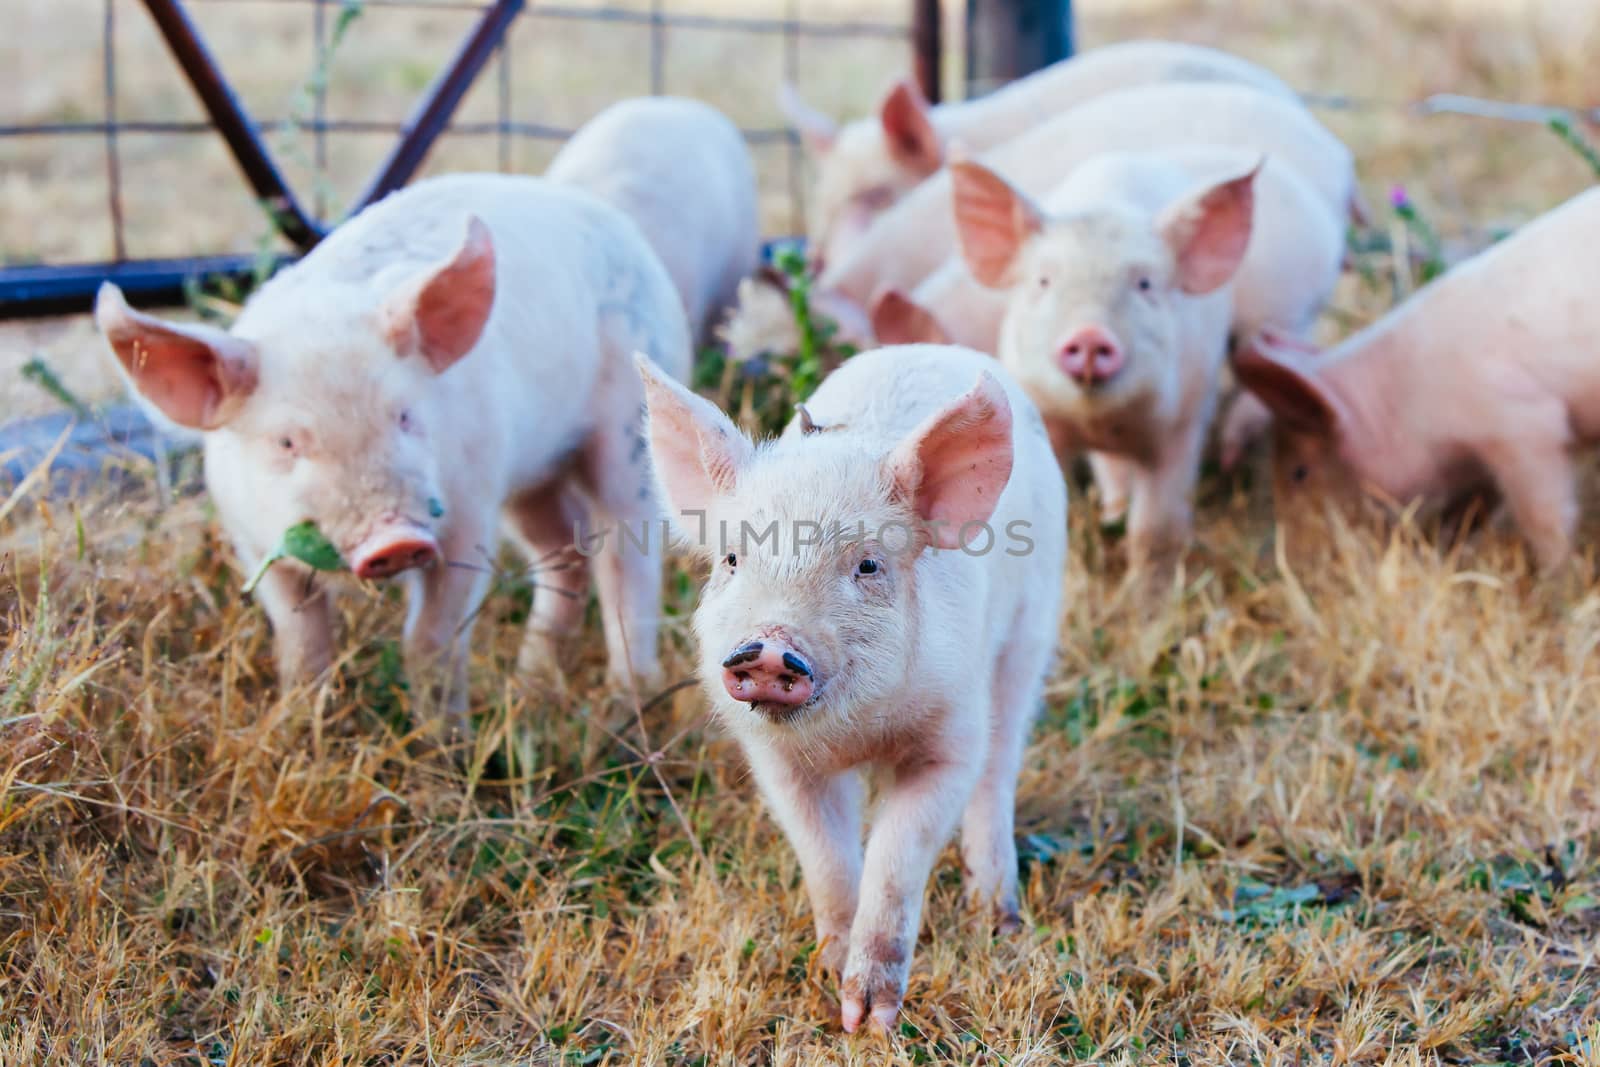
1489	377
848	624
681	171
457	353
1117	317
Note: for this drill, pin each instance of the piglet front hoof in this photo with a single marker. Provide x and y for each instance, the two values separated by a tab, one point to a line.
873	988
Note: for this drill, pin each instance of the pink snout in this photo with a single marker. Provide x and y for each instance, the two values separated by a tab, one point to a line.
392	549
1091	355
766	672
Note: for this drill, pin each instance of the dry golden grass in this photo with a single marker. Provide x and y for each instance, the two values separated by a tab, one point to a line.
1342	813
1340	803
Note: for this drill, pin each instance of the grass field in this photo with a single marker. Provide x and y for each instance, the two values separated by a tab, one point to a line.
1339	802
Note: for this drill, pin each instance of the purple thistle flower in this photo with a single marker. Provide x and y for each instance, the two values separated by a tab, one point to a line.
1398	198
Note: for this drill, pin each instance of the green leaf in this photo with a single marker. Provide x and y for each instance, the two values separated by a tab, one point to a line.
304	542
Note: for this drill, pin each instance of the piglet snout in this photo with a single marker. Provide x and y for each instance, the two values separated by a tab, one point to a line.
1091	355
391	549
767	672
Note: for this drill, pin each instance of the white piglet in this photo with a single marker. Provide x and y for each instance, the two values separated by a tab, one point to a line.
1120	300
884	593
458	352
681	171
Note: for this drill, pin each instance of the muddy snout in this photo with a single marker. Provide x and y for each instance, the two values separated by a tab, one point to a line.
768	672
1091	356
391	548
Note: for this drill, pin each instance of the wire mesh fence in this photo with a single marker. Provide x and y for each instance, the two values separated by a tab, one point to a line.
498	98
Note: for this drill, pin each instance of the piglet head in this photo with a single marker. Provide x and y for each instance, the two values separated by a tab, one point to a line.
864	168
814	542
1095	294
322	402
1308	420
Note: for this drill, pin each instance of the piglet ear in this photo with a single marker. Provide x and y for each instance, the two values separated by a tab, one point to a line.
953	468
899	320
853	325
1209	232
1274	371
818	131
908	129
994	222
697	451
441	315
196	376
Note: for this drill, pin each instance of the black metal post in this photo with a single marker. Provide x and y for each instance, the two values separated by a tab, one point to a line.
229	117
927	48
1009	38
432	115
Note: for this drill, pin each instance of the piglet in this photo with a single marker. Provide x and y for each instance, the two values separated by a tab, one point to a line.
1118	314
864	167
1485	378
884	594
681	171
456	353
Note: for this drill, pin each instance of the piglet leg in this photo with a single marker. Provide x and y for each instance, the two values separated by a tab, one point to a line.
1112	475
821	817
444	599
296	604
917	817
548	523
616	474
1537	479
988	827
1160	516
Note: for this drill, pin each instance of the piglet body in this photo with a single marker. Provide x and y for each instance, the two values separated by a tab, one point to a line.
1488	376
681	171
869	633
457	353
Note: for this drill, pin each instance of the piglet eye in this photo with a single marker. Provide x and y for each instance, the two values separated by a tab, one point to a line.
1144	285
1300	474
286	443
867	567
731	560
405	420
1044	283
